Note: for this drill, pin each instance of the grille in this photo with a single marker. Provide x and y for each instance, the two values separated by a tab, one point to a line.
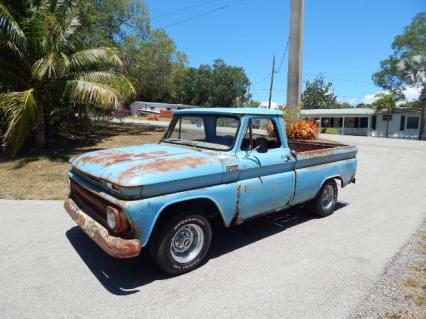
95	204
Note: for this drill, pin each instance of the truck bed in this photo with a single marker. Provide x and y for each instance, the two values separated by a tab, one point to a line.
316	153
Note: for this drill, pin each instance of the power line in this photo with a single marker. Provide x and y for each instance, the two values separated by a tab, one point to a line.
263	79
278	69
282	59
203	14
184	9
341	79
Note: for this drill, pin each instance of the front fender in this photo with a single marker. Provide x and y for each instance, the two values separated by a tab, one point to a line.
143	214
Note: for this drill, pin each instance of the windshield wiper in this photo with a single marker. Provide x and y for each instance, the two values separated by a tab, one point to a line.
182	142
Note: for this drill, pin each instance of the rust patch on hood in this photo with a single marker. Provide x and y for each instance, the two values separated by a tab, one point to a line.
163	165
110	158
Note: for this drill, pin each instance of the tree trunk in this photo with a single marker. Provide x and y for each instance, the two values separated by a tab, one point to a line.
387	124
41	133
422	132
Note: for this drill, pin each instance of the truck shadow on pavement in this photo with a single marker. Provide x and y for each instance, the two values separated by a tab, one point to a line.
125	276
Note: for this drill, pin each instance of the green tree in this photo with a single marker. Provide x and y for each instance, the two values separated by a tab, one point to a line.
230	84
410	43
318	94
109	22
216	85
154	65
41	61
344	105
386	101
414	70
253	103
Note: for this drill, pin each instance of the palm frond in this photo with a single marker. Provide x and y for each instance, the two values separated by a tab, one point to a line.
53	66
115	80
414	69
87	92
70	25
95	59
11	27
21	114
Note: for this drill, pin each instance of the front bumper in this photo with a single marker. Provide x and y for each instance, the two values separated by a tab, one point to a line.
114	246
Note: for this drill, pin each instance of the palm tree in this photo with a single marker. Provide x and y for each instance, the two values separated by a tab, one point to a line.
42	63
386	101
414	69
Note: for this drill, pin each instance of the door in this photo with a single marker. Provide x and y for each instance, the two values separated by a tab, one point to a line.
267	177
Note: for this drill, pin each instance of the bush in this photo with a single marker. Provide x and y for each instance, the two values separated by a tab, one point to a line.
302	130
330	130
152	117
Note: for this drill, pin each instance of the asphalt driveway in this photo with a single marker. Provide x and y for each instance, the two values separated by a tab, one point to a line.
286	266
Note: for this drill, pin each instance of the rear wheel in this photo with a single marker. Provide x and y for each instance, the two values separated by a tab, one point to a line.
324	203
182	244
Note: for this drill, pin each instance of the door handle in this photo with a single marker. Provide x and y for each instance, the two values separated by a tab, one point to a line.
286	158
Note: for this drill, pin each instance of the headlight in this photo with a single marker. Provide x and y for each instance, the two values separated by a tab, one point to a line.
116	221
111	218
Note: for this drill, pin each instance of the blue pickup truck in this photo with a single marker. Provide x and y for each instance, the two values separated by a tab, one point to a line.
227	164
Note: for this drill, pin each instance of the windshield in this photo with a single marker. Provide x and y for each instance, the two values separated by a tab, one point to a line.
217	132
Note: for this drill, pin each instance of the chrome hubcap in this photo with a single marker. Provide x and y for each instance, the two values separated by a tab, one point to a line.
327	197
187	243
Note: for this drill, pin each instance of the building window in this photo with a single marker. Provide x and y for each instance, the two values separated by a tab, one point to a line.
363	122
373	122
402	124
412	123
387	117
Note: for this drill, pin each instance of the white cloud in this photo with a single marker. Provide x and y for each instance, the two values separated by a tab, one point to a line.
412	93
351	100
274	105
370	98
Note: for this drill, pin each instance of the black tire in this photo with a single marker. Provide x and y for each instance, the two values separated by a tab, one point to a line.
324	203
172	257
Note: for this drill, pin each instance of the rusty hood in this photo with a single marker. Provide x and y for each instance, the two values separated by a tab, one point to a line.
158	168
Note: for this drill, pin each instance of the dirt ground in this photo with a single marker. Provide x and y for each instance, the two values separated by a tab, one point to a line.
44	177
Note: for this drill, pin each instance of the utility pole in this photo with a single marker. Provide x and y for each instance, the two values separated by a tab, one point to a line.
294	77
422	132
272	81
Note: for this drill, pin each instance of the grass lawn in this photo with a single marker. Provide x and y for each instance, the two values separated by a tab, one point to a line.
44	177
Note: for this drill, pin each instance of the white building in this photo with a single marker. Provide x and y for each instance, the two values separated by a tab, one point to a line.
139	107
401	123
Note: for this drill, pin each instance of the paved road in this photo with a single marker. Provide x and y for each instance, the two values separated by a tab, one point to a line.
291	266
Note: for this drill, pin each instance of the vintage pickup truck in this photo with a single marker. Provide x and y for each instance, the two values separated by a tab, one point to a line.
227	164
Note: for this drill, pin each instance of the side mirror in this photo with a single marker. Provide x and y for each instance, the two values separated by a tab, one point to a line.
262	148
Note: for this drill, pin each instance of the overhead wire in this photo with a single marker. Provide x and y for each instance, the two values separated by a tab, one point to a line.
226	6
184	9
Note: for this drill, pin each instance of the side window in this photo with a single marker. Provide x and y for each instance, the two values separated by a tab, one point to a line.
261	133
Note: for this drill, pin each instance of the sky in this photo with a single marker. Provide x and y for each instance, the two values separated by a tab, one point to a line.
343	39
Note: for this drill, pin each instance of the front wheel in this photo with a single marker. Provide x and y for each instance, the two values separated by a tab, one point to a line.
324	203
182	244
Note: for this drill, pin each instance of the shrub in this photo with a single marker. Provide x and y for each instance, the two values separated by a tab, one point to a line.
330	130
302	130
152	117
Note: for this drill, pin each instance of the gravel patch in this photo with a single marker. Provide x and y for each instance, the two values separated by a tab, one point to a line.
386	298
